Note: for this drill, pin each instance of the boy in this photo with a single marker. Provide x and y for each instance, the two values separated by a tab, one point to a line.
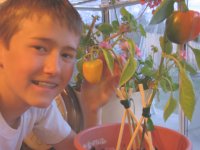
38	42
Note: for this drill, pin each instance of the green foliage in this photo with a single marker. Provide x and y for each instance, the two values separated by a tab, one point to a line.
187	94
167	83
128	18
170	107
186	89
165	44
135	70
147	67
80	64
142	30
197	55
109	60
163	11
150	125
131	47
105	28
115	25
147	71
189	68
128	71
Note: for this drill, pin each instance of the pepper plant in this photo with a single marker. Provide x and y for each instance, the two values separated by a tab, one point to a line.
100	43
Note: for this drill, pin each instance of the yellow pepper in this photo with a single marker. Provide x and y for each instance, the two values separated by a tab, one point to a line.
92	70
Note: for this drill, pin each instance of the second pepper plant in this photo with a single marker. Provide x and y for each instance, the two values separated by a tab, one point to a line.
109	46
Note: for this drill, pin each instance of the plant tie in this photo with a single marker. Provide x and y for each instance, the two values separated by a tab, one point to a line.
146	112
126	103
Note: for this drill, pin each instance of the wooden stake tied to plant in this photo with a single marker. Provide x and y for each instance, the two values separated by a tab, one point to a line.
136	127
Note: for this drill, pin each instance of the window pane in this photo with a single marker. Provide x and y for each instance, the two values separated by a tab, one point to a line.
194	126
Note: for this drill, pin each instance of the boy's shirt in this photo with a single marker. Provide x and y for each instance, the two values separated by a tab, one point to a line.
48	124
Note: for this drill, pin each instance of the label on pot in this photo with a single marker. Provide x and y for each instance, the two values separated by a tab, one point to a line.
94	143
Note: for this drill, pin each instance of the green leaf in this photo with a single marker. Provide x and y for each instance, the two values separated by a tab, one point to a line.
166	45
79	65
162	11
154	48
150	125
127	16
130	84
80	53
197	55
164	85
109	60
115	25
149	61
105	28
166	82
142	30
133	24
169	107
162	43
187	94
128	71
85	42
189	68
147	71
175	86
131	47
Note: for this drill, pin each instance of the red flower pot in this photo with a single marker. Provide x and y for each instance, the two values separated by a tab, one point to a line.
105	137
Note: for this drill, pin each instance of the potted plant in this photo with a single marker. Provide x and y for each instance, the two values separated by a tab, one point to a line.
99	50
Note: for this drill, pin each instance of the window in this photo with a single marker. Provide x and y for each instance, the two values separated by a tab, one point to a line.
193	127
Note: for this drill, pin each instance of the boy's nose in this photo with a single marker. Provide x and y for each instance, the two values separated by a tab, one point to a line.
52	64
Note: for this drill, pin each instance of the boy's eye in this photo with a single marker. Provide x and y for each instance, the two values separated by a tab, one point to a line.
68	56
40	48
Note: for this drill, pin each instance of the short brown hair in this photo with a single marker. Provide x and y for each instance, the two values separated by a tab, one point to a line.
12	12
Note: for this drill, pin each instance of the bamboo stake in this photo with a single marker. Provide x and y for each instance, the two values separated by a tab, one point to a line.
130	91
119	94
123	92
142	95
145	136
121	131
135	120
149	133
149	100
136	142
130	127
135	133
144	105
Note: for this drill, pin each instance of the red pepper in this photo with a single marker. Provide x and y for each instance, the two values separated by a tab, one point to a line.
182	27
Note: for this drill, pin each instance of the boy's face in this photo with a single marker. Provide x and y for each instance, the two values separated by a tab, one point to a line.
39	62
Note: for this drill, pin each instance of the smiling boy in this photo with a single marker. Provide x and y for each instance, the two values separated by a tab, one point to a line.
38	46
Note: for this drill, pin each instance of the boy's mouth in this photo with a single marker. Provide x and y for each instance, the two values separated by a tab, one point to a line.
44	84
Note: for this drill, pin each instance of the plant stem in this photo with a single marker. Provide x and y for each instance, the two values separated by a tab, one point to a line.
91	27
157	81
183	6
113	36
